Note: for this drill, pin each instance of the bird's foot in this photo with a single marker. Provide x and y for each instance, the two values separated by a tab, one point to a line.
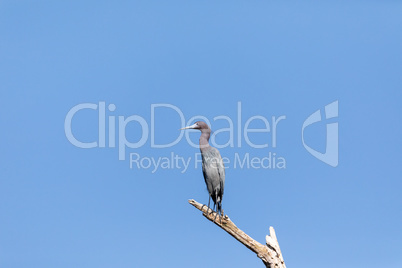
220	217
208	208
203	207
216	214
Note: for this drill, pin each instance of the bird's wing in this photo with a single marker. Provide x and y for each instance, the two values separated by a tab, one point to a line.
221	172
208	174
214	170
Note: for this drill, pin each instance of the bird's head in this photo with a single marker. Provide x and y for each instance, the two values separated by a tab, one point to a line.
198	125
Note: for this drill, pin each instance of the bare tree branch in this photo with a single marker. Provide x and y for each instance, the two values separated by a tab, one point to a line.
270	254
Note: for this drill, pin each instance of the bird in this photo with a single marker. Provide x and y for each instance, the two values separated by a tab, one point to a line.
213	168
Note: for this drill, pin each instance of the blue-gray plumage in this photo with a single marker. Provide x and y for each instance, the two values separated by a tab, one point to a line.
212	166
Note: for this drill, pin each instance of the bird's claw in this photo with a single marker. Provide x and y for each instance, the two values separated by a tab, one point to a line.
220	217
208	208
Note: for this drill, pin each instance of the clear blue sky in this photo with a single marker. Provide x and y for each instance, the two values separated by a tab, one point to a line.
64	206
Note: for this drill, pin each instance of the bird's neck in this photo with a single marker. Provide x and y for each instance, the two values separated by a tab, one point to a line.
204	139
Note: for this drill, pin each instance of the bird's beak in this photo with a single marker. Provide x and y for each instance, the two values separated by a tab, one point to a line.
189	127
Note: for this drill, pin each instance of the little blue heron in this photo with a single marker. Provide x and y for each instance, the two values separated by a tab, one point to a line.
212	166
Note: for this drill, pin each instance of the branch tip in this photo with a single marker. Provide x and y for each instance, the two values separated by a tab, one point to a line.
270	254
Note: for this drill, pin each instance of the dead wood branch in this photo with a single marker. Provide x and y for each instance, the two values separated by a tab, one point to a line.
270	254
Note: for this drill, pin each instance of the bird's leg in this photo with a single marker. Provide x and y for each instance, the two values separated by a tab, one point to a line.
216	210
209	200
216	214
219	210
220	217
